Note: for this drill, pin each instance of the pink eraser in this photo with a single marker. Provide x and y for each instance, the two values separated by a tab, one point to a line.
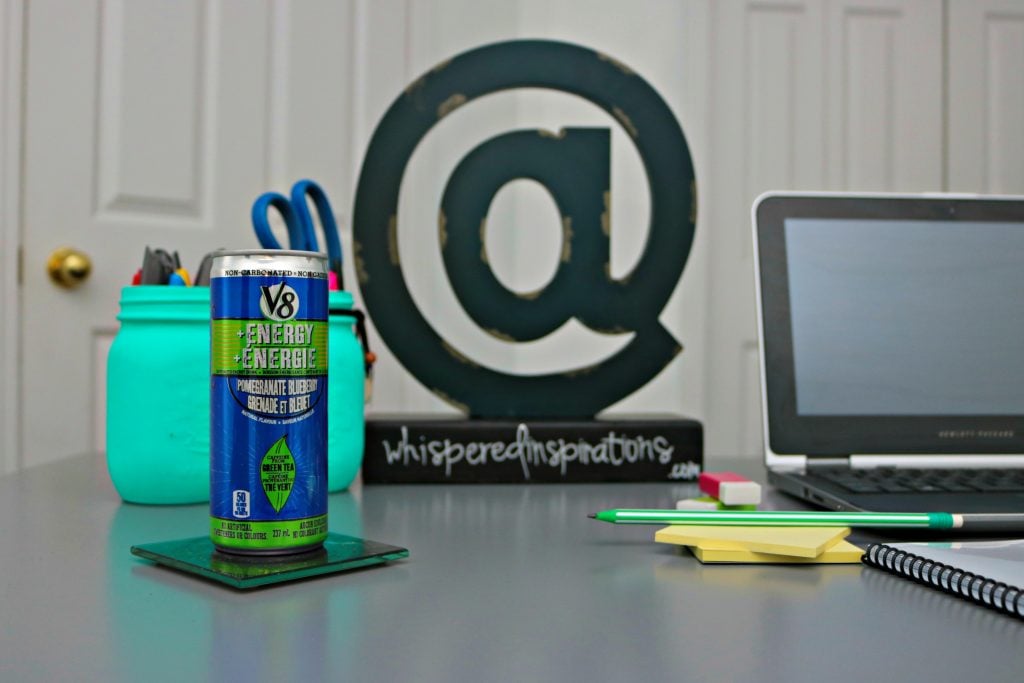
332	281
730	488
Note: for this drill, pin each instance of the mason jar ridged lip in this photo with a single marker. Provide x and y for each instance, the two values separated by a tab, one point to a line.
178	303
164	303
339	301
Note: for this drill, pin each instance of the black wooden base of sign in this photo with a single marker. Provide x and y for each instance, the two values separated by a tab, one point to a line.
417	449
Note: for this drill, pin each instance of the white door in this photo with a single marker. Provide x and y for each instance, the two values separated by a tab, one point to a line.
131	110
155	123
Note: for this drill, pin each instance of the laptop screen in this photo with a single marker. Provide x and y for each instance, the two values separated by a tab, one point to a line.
892	325
906	317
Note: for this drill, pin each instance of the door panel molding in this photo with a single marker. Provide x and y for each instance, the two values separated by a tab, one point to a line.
885	95
985	45
153	69
767	131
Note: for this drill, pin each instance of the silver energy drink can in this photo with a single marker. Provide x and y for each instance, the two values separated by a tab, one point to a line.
268	401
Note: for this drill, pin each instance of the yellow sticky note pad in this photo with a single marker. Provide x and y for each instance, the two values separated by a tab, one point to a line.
777	540
842	552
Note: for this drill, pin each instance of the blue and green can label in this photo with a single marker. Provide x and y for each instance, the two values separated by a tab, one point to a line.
268	422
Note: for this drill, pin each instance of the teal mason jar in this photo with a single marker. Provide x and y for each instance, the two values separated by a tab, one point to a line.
158	396
345	382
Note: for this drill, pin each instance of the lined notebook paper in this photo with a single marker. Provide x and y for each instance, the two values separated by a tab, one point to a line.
990	573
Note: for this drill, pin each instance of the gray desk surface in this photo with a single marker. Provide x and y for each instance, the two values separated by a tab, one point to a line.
503	583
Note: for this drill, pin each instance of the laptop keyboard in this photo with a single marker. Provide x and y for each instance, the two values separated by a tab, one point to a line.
890	480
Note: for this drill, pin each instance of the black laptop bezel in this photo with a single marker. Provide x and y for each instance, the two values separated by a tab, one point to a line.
840	435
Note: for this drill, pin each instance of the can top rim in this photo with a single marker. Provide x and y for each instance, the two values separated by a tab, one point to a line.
269	252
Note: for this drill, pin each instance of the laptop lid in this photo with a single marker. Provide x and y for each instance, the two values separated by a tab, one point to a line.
891	328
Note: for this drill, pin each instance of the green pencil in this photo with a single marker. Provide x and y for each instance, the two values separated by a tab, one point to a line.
929	520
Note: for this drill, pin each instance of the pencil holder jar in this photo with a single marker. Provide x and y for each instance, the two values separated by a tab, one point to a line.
345	382
158	396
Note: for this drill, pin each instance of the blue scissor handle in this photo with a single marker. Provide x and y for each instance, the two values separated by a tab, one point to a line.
308	188
297	233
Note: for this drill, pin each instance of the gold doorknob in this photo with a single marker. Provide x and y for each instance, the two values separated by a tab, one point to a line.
68	267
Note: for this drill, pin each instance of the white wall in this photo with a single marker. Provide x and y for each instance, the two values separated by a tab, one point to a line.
901	95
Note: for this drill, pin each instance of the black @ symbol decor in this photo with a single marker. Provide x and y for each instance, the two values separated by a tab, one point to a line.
573	164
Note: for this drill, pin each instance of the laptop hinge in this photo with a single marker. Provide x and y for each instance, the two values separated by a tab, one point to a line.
842	461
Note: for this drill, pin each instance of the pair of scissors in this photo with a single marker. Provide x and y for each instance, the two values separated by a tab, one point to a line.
299	221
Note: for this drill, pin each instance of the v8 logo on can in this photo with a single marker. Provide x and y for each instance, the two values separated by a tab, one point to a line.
279	302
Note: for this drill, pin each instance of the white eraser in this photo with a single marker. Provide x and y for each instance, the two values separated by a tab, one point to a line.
696	504
739	492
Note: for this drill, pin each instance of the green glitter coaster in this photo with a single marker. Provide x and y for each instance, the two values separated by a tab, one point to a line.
197	556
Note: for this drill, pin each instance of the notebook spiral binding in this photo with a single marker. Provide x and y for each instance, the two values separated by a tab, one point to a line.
984	591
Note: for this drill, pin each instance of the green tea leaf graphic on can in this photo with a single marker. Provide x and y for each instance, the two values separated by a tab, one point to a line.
277	473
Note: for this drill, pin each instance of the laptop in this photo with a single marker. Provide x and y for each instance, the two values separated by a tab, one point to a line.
892	349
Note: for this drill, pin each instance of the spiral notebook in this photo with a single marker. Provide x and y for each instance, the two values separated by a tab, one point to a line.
988	573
